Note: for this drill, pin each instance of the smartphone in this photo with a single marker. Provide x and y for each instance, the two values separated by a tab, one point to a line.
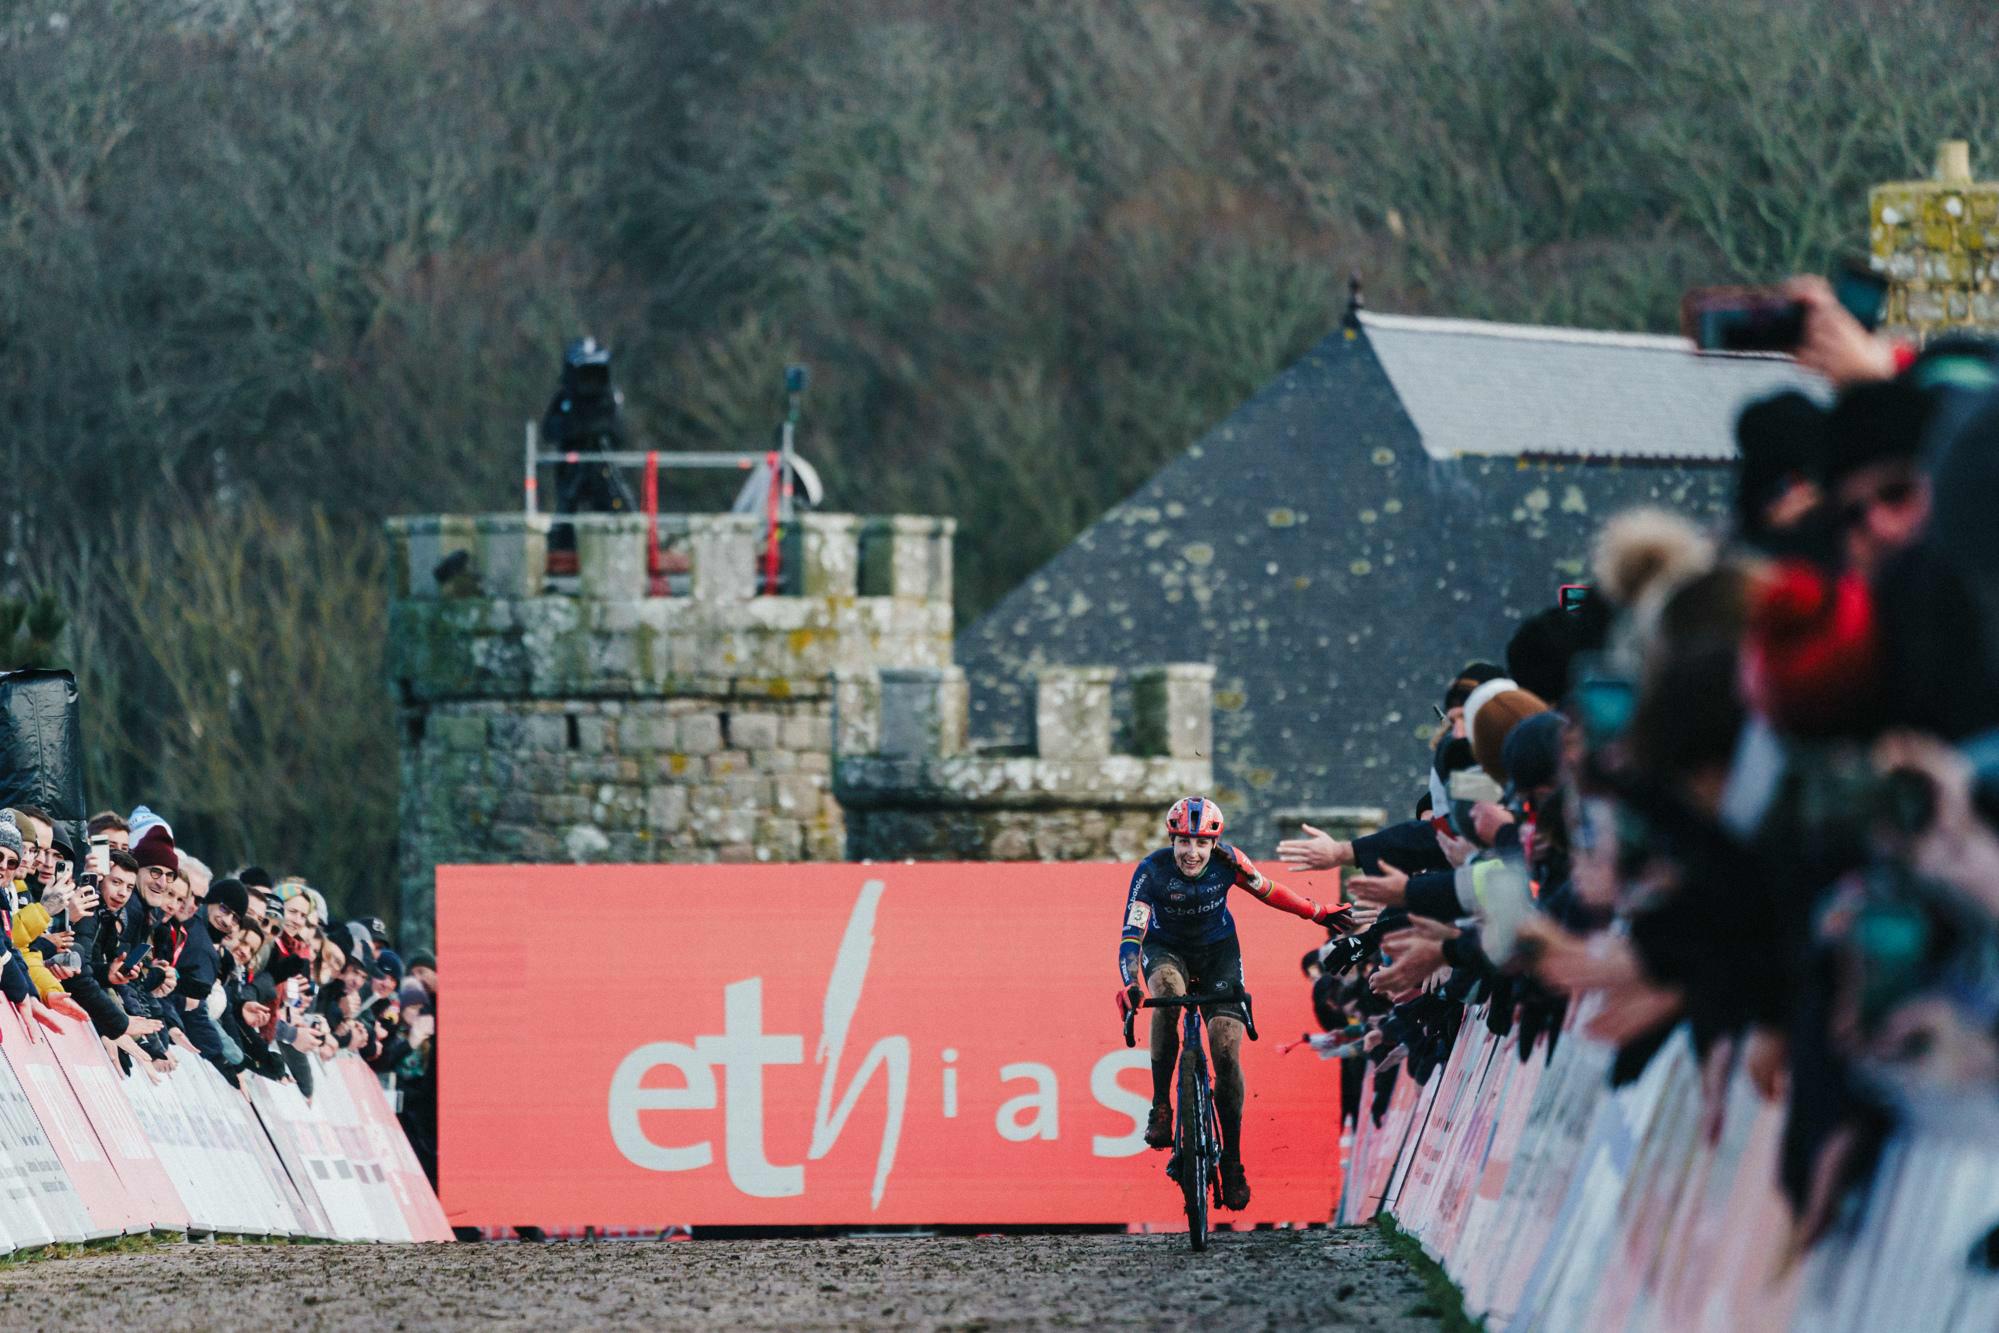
136	956
99	859
1763	319
1469	787
1741	319
1571	596
1862	291
1605	705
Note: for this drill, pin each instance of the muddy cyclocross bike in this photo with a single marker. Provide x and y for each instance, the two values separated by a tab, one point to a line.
1196	1163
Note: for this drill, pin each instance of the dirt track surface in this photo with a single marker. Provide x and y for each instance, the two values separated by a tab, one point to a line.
1267	1279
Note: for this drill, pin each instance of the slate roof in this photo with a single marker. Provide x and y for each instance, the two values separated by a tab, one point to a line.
1509	389
1334	570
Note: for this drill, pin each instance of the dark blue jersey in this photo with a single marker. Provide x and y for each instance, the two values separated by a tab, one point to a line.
1172	911
1168	909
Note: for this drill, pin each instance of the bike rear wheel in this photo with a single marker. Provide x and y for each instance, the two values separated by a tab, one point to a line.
1191	1144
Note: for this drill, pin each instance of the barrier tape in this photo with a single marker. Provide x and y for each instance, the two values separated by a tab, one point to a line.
1556	1202
87	1151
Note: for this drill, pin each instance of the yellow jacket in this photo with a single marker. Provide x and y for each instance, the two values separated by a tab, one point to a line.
29	923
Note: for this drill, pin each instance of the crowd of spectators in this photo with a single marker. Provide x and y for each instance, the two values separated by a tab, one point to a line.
135	937
1747	782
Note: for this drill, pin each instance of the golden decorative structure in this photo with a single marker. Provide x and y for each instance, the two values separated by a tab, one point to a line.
1938	243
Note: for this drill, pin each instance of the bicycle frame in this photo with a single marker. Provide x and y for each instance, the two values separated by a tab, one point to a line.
1197	1129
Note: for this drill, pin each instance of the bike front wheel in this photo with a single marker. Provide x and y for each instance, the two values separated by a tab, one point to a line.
1195	1168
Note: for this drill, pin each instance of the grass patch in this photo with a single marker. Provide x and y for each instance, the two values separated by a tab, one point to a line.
72	1249
150	1240
1441	1297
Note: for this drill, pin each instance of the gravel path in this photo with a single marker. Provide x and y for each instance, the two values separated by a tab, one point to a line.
1266	1279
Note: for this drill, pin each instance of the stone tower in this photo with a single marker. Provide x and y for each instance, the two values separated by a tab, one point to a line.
589	720
1937	242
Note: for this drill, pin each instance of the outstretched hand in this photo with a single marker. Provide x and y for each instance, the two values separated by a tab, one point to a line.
1456	850
1317	850
68	1008
1336	916
41	1014
1387	889
1416	958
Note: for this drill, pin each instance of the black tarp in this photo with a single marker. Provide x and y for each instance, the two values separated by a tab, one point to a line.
41	747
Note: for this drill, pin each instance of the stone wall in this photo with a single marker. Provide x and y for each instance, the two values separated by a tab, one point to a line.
590	720
1937	242
912	787
593	719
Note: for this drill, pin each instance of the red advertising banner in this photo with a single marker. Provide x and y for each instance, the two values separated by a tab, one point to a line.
423	1218
27	1049
98	1087
832	1045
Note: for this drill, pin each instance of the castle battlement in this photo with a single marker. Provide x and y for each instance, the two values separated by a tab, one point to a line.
595	717
912	786
633	710
856	592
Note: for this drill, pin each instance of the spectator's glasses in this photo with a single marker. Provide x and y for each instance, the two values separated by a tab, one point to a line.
1890	495
9	862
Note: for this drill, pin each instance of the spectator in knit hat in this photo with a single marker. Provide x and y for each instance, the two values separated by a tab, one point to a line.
1780	504
257	882
1532	757
39	857
1540	652
13	849
157	860
1490	715
203	960
1880	496
423	971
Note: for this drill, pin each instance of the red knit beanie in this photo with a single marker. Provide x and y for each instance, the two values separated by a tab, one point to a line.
1812	659
156	848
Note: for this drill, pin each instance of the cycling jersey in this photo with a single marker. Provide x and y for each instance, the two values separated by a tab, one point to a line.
1172	909
1166	909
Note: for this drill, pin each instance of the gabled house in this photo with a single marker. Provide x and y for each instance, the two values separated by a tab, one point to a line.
1386	509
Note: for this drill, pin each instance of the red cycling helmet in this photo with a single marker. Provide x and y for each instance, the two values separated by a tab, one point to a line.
1194	817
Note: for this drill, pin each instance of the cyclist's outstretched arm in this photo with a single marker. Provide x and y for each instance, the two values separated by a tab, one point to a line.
1268	890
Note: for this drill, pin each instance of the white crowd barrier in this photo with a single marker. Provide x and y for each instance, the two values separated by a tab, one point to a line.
1556	1202
87	1151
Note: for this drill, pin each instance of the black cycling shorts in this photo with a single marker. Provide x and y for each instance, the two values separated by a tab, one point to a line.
1203	967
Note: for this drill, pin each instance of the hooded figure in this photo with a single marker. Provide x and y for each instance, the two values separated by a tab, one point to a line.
583	418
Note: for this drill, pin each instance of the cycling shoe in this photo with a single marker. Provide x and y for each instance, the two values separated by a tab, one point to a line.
1159	1127
1235	1187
